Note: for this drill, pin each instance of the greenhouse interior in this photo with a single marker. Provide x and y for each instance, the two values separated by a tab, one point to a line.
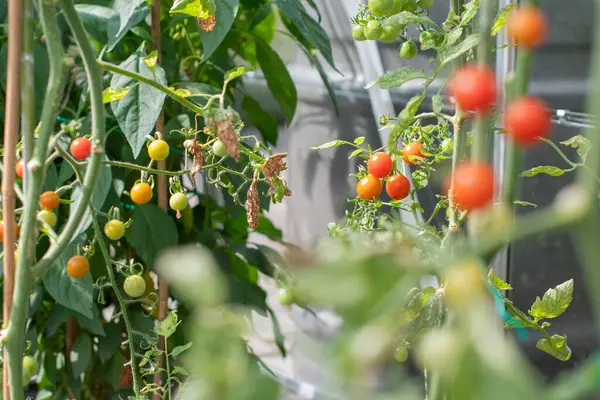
300	199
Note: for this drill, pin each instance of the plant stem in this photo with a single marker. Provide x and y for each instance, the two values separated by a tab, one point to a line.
145	169
134	75
94	78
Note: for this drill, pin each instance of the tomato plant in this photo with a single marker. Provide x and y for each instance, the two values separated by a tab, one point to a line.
380	165
369	187
397	187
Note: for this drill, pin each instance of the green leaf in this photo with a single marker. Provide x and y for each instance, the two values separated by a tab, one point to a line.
543	169
110	343
72	293
501	18
420	179
554	302
310	29
167	326
152	231
226	11
279	338
138	110
359	140
448	54
196	8
557	347
453	36
65	173
497	282
113	94
471	9
95	19
81	354
324	77
581	144
151	60
180	349
236	73
178	370
114	370
397	78
404	18
525	203
437	103
278	78
265	122
330	145
129	14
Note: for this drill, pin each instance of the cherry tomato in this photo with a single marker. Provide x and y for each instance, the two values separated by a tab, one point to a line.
2	231
425	3
527	26
398	187
81	148
381	8
413	153
219	149
380	164
134	286
401	354
428	35
49	200
474	185
178	201
114	229
158	150
20	168
30	367
285	296
369	187
78	267
390	33
473	88
358	33
48	217
373	30
141	193
407	50
526	119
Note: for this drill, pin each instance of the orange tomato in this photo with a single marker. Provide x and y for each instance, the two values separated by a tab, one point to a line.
413	153
369	187
527	26
78	267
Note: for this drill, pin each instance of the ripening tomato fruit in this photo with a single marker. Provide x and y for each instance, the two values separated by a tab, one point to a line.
81	148
48	217
30	367
49	200
380	164
114	229
141	193
158	150
526	119
373	30
219	149
2	231
134	286
397	187
407	50
527	26
178	201
369	187
20	168
381	8
401	354
413	153
78	267
474	185
474	88
358	33
285	296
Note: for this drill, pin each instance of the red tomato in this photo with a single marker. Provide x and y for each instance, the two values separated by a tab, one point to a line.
20	168
369	188
81	148
49	200
397	187
526	119
474	185
527	26
413	153
2	231
380	165
473	88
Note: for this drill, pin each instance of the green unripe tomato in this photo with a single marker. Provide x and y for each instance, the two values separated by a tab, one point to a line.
48	217
158	150
439	40
401	354
425	3
285	296
410	6
373	30
358	33
219	149
381	8
427	35
447	145
178	201
399	5
114	229
407	50
134	286
390	33
30	367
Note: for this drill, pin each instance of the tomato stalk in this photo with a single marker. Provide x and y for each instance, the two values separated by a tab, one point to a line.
35	171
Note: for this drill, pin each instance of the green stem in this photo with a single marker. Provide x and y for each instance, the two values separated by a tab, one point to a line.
559	151
168	385
35	172
94	78
134	75
145	169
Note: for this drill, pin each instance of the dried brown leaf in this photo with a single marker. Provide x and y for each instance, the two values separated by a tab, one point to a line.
196	151
228	137
208	24
274	165
253	205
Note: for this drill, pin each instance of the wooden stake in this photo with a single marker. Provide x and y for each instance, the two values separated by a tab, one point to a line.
11	131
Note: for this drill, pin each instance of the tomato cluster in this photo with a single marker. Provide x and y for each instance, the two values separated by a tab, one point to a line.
379	166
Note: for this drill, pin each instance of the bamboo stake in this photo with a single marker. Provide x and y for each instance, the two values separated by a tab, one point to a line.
11	130
163	288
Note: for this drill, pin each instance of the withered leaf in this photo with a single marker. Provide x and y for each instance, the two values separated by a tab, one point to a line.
208	24
229	138
253	205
